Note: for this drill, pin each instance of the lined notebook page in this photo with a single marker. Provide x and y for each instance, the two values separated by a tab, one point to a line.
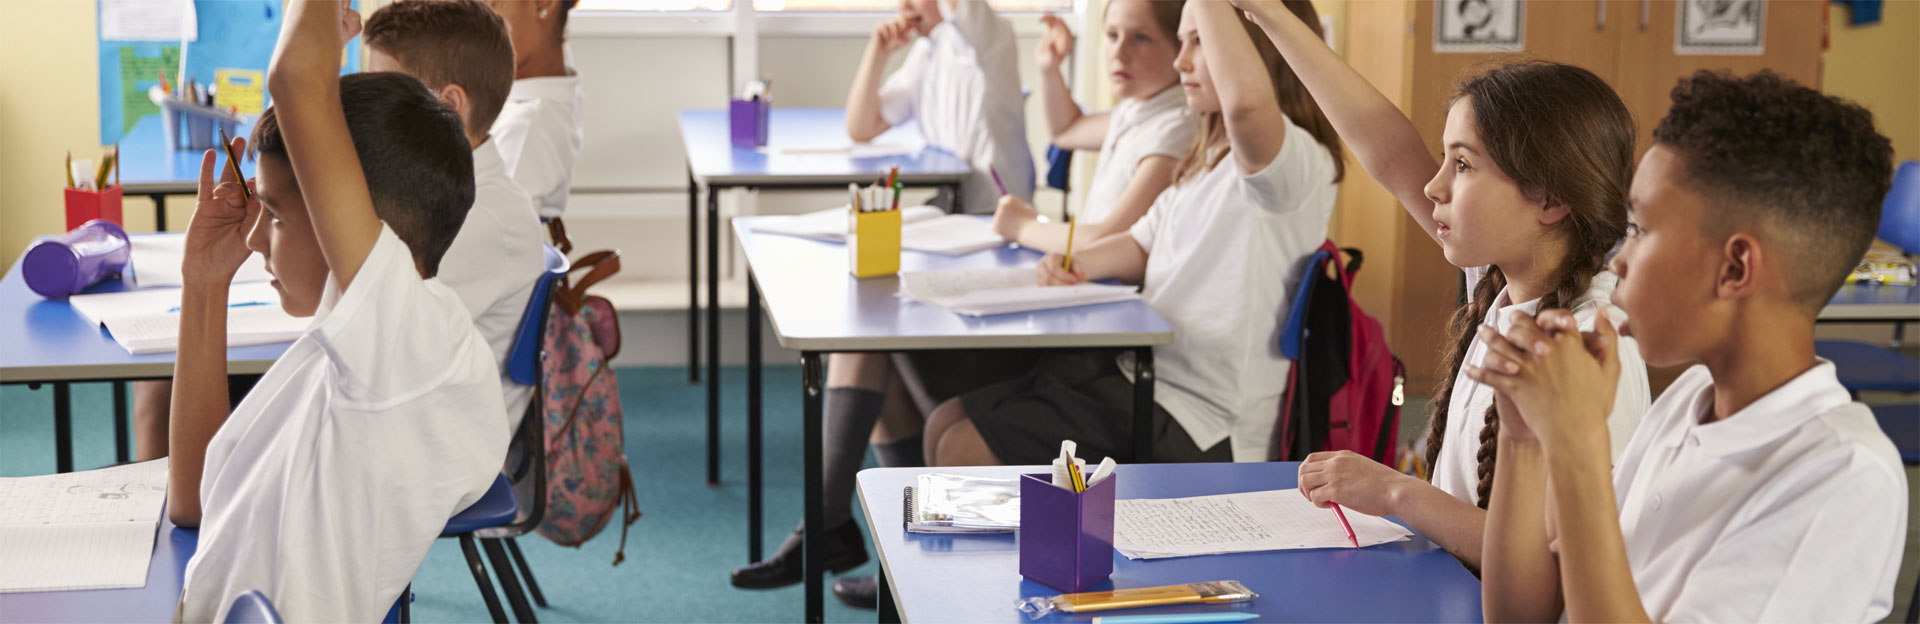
983	292
1244	522
81	530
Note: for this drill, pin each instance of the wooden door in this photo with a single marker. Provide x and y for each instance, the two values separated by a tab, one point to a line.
1649	67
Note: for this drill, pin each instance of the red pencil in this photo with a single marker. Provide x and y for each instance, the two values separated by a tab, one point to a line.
1343	524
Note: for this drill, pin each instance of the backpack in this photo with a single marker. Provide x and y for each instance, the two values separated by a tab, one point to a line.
587	476
1345	387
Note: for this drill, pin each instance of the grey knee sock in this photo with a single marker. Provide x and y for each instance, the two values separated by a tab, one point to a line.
901	453
850	415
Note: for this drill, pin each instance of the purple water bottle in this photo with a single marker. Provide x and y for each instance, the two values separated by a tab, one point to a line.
58	266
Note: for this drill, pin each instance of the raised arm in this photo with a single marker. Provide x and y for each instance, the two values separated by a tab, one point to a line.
1255	126
864	121
305	81
1067	125
1382	138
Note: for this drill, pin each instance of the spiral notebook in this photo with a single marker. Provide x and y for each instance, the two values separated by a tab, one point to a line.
943	503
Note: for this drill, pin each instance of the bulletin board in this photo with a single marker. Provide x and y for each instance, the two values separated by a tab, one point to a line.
234	37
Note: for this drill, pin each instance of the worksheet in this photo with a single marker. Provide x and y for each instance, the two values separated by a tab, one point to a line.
81	530
1154	528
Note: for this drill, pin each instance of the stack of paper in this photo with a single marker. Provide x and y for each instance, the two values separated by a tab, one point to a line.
1232	523
924	228
856	150
983	292
156	262
944	503
148	320
81	530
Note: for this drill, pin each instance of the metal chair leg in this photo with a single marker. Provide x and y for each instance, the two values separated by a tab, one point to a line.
406	604
509	585
479	571
526	573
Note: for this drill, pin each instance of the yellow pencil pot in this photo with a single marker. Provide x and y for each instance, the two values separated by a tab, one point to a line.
873	243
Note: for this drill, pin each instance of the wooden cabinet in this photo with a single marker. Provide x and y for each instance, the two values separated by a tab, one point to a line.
1406	282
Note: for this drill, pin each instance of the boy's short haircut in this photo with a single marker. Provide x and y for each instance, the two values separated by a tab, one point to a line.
1808	168
416	159
445	42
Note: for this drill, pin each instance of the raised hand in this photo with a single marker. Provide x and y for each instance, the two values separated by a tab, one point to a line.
222	217
1055	44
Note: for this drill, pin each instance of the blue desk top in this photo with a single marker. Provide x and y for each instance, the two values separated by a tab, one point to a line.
976	578
815	305
153	603
45	340
148	165
1873	302
714	160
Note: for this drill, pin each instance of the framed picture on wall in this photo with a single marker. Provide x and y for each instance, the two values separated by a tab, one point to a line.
1720	27
1479	26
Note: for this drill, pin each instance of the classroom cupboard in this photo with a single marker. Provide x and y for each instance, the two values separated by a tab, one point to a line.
1406	282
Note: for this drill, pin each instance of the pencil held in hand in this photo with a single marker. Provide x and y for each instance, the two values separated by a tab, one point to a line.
234	162
1067	263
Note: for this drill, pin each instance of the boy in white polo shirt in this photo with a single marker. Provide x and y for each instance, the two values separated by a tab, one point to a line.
961	83
1755	489
326	486
460	49
543	125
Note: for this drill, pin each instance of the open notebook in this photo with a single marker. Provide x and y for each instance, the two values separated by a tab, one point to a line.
81	530
1154	528
984	292
923	228
148	320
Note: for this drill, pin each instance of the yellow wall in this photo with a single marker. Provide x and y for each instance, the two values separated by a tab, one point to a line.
1879	66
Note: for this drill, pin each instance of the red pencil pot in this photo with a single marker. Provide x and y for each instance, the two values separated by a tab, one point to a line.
84	206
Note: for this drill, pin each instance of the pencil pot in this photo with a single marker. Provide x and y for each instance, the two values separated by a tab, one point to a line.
873	243
1066	537
58	266
749	121
84	206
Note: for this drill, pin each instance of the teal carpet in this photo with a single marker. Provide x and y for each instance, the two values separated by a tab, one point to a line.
678	554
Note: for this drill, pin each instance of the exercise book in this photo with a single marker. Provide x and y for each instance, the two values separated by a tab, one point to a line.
81	530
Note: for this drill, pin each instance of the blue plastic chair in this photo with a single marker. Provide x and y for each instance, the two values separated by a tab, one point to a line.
1862	366
491	521
1059	167
1901	422
252	608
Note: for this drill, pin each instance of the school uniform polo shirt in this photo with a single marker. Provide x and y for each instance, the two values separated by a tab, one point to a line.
1793	509
325	488
962	84
1158	125
494	262
540	131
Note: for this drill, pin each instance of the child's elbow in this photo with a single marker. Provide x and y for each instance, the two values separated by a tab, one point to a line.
862	132
183	514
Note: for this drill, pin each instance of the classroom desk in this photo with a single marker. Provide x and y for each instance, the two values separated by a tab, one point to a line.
976	578
148	166
1873	303
817	308
714	162
46	341
153	603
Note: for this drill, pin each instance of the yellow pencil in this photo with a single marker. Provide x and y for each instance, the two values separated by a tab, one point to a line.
70	170
1068	263
234	161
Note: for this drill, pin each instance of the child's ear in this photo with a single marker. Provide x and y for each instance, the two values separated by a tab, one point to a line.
1740	256
455	97
1553	211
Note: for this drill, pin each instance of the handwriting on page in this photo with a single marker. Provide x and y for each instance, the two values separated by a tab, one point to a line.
82	530
1245	522
1187	522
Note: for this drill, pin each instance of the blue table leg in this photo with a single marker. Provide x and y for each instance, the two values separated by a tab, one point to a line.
122	447
812	380
693	280
713	335
1143	404
62	428
754	509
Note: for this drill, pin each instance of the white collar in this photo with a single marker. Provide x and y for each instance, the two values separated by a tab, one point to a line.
1777	413
549	88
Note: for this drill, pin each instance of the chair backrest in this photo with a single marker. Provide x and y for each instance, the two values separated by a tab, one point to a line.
523	359
252	608
1900	213
1059	166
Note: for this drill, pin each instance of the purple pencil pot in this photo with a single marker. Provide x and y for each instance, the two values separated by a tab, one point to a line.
748	119
1066	538
58	266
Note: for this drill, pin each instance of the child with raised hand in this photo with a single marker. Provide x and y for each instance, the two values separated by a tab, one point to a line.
543	124
1756	490
327	485
1530	200
1138	140
1218	255
961	83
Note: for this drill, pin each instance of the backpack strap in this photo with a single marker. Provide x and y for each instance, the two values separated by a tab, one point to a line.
599	266
630	512
557	232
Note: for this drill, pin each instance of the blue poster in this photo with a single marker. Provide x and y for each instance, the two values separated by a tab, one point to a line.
233	35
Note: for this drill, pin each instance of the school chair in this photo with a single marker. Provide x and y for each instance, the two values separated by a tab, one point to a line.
1862	366
252	608
492	521
1059	168
1901	422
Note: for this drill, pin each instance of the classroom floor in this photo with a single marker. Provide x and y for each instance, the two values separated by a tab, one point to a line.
678	555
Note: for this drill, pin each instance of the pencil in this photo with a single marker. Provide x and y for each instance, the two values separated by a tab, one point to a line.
70	170
1068	263
227	144
996	180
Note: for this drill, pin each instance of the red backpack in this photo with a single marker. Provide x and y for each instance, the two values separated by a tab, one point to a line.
1345	387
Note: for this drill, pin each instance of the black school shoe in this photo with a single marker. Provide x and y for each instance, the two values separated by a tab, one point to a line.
858	591
844	548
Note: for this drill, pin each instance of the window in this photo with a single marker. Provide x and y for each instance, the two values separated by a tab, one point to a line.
799	5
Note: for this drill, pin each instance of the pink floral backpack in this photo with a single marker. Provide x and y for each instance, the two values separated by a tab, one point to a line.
587	478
